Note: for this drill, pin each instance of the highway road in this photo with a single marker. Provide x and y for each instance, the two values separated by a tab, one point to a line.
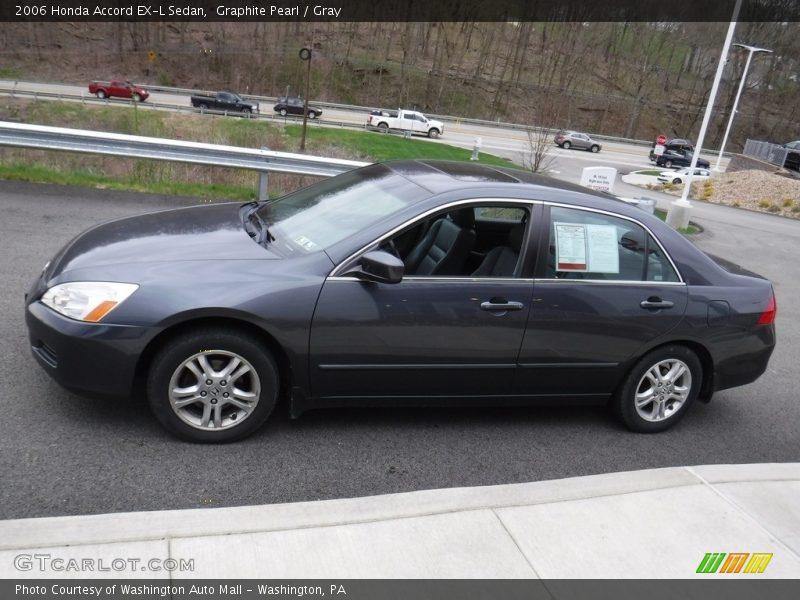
505	142
61	454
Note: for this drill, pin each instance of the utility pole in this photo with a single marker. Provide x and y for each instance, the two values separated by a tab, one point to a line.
305	54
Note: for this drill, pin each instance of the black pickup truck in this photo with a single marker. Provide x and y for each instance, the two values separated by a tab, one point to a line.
225	101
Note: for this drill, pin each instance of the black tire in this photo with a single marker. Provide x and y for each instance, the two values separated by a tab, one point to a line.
566	145
136	98
595	148
433	133
262	377
282	112
677	181
312	114
203	106
624	401
384	127
100	94
668	164
246	111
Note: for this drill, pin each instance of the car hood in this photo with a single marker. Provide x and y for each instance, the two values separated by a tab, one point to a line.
210	232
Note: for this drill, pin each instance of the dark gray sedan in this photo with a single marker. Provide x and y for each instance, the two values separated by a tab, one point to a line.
410	282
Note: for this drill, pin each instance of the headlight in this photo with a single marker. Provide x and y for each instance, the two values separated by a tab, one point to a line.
87	300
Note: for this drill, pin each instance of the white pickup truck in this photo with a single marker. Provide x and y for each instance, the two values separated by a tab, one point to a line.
404	120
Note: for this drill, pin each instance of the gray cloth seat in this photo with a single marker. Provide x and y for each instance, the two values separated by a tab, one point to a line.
502	260
445	247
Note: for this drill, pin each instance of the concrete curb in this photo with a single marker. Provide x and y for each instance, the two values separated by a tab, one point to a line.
155	525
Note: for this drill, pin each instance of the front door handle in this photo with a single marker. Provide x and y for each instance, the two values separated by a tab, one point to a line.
656	303
497	305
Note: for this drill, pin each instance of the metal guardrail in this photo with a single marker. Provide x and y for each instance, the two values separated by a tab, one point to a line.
133	146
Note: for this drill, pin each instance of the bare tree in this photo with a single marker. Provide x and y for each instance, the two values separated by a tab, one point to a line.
537	155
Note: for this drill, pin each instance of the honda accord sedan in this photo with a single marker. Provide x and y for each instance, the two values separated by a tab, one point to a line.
408	282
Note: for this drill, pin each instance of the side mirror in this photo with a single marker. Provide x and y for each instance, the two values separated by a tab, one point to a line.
380	267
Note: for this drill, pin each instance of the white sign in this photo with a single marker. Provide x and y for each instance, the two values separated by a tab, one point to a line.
599	178
658	150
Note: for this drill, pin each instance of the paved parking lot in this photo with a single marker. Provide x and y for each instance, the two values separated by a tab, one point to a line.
61	454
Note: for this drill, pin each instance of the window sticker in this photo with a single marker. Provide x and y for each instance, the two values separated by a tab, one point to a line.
571	247
603	250
586	248
305	243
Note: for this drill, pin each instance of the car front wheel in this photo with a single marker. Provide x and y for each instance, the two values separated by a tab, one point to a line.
566	145
659	389
433	133
213	385
312	114
668	164
677	181
595	148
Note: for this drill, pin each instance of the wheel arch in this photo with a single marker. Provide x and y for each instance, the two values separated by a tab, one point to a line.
703	354
233	323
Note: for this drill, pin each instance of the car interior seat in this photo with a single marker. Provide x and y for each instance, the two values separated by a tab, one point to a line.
445	247
502	260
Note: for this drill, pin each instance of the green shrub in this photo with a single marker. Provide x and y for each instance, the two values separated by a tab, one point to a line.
764	204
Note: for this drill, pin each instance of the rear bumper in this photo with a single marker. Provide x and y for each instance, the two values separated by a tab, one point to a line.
745	367
90	359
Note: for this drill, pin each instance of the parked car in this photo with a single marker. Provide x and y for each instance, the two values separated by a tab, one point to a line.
224	101
574	139
404	120
293	105
677	159
118	89
681	175
792	158
408	282
678	145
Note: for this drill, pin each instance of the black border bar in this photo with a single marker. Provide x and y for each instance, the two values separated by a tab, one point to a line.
396	10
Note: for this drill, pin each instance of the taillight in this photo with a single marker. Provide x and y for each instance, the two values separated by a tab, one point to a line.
768	316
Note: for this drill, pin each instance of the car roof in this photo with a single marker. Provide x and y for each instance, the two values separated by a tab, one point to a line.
440	176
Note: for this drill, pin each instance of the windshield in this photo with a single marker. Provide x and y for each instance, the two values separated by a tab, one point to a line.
319	216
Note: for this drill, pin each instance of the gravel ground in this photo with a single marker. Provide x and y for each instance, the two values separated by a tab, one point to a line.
755	190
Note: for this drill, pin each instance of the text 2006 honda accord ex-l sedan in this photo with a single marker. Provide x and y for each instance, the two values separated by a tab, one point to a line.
414	282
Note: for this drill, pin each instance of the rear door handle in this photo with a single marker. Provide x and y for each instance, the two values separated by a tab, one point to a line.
656	303
501	306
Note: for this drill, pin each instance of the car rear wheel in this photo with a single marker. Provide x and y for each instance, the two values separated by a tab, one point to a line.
213	385
566	145
659	389
384	127
595	148
100	94
283	112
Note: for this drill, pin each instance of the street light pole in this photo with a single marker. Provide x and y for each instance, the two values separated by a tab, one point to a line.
750	51
678	215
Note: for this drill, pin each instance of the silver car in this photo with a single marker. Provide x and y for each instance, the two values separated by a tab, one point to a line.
573	139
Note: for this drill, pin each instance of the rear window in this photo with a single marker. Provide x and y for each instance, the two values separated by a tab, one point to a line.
596	246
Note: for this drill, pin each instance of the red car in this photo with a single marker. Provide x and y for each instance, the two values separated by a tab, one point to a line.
119	89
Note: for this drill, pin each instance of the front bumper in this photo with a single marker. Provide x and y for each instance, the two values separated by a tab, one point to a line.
90	359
